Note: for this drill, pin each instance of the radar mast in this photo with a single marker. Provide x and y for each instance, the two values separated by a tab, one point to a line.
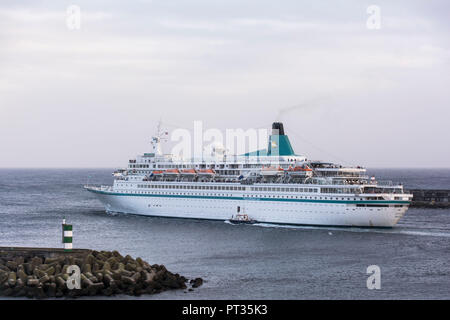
161	135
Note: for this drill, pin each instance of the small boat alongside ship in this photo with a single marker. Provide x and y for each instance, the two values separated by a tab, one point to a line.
241	219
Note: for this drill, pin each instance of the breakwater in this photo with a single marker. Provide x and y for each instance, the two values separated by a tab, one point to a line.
51	272
430	198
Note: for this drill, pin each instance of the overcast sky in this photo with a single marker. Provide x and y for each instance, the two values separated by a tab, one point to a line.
91	97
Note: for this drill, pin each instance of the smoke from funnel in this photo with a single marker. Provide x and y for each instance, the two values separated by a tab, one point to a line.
301	106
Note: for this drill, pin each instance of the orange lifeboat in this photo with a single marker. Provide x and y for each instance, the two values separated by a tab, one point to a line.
208	172
271	171
172	172
299	168
300	171
157	172
188	172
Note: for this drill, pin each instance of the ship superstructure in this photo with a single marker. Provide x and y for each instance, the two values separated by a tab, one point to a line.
273	185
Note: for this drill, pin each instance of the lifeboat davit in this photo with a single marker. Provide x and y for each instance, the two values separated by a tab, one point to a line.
271	171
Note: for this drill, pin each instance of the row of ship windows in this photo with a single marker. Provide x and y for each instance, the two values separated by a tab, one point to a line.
172	166
219	171
204	166
237	188
263	209
298	197
284	189
338	190
245	196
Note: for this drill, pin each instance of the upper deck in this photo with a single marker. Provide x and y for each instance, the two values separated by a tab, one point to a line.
278	164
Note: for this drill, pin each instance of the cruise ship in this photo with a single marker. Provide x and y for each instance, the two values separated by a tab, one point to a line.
273	185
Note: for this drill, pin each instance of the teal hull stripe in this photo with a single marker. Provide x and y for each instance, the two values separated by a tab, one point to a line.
248	198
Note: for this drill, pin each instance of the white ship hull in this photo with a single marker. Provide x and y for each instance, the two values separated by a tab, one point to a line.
261	210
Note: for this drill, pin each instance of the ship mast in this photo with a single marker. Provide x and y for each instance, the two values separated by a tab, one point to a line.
160	135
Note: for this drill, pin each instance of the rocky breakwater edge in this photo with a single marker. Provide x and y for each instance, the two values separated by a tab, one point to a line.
43	273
